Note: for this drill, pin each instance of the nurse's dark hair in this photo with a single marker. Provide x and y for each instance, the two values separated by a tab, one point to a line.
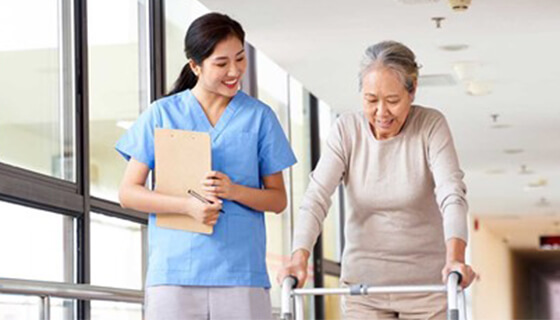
201	39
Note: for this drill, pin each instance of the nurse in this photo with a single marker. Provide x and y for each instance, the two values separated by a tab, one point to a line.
222	275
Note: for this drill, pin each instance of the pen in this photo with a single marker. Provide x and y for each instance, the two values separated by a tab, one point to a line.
201	198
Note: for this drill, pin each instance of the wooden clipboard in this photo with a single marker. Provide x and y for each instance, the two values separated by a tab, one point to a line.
182	160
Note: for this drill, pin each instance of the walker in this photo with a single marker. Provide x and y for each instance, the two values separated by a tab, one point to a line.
454	295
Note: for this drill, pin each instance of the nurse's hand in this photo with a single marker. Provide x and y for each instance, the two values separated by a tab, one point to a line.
207	213
297	267
218	184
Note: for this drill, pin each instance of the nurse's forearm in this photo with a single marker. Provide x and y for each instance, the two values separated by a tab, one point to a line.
139	198
272	200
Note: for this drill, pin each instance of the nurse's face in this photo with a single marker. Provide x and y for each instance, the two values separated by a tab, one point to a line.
222	71
386	102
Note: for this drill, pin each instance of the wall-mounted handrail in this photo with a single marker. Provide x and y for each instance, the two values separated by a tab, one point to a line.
69	290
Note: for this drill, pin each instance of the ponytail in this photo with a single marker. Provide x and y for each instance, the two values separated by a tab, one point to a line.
187	80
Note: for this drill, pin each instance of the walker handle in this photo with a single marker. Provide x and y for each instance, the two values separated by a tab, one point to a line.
290	282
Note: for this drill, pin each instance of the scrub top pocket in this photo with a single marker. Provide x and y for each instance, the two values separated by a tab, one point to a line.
242	159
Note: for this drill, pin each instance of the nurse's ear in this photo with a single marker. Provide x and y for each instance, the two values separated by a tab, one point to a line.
195	68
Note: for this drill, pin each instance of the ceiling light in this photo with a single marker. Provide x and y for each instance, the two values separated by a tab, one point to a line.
436	80
495	171
500	126
465	70
537	184
459	5
513	151
479	88
454	47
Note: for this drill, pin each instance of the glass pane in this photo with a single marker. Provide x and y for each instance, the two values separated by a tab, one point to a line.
19	307
116	252
114	86
301	144
35	110
332	302
331	225
272	85
102	310
179	14
31	243
14	307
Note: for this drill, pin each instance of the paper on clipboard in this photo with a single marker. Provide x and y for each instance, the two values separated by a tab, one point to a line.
182	160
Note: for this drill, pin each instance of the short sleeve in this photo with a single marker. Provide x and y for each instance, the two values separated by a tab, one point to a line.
138	141
275	153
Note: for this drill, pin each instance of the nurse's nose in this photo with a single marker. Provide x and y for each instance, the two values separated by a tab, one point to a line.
234	70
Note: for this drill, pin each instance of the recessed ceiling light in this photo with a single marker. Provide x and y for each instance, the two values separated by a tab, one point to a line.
513	151
454	47
500	126
465	70
539	183
479	88
495	171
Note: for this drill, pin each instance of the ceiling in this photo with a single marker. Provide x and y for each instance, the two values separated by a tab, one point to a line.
513	51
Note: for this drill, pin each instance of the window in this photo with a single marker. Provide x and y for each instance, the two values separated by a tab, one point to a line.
102	310
31	243
331	226
36	112
117	87
179	14
116	252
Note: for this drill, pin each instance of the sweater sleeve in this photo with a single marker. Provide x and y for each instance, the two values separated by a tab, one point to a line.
322	183
450	189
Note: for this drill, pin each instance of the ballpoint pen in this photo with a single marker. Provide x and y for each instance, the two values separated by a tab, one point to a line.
201	198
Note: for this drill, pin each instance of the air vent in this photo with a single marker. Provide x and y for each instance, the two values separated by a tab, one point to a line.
436	80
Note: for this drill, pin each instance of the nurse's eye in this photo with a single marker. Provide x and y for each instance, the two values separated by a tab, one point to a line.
240	59
221	65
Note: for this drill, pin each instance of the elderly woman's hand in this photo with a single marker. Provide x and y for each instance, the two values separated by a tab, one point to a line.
297	267
467	273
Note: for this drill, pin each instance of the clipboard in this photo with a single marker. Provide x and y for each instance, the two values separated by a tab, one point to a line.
182	159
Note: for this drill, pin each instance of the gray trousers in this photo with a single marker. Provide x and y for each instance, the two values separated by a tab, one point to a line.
207	303
410	306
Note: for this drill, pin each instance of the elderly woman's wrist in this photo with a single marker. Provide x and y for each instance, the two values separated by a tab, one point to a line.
300	255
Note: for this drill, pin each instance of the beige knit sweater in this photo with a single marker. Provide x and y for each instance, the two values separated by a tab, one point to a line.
406	197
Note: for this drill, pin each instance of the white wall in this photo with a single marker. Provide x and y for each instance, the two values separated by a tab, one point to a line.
492	260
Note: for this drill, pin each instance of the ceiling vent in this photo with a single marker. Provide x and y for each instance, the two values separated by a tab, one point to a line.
436	80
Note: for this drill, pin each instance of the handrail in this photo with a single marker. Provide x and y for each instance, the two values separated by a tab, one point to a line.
69	290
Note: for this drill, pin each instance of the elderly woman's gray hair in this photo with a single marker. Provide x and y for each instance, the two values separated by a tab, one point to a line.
393	55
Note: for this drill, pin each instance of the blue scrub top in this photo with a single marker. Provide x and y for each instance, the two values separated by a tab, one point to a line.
247	144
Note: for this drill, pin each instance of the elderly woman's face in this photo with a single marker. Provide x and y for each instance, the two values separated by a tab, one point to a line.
386	102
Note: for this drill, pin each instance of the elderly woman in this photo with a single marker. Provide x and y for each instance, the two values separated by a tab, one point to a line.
407	224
